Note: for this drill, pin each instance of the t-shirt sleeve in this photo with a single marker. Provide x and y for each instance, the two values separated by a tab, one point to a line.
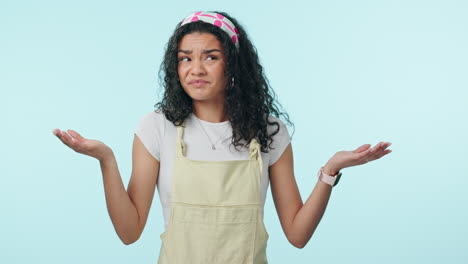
150	130
280	140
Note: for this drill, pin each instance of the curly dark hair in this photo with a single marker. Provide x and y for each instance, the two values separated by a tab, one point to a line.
249	99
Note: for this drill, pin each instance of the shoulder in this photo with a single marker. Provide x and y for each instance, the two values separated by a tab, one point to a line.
151	131
152	122
153	118
154	115
280	138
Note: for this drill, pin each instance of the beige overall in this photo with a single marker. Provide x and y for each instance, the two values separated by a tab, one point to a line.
215	211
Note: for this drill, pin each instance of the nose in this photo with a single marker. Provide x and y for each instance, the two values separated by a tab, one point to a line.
197	68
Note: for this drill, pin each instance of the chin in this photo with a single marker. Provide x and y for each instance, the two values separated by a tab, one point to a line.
201	94
196	95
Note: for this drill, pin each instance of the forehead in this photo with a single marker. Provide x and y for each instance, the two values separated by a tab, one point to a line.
199	40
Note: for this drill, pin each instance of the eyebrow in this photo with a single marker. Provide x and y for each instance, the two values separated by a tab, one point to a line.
204	51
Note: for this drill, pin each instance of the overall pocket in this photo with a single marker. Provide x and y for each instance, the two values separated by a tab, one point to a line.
163	258
211	235
264	230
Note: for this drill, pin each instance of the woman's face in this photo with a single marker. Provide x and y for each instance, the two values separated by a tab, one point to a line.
201	67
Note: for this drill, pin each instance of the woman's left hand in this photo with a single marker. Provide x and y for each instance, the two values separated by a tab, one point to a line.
362	155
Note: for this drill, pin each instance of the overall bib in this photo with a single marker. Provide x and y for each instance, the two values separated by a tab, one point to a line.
215	211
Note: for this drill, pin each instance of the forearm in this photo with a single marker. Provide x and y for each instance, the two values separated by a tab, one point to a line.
121	210
310	214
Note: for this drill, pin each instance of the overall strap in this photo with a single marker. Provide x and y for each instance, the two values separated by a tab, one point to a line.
180	145
255	153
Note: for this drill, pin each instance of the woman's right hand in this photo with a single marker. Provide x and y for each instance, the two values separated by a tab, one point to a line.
90	147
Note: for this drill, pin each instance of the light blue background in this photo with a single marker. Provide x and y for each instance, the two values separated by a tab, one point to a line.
347	72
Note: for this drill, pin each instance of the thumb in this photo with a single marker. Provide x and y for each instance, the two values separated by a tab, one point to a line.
362	148
76	135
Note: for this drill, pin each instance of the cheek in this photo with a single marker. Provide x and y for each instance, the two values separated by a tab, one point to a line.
180	71
219	71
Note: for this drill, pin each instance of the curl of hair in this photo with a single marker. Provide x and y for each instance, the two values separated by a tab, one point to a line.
249	99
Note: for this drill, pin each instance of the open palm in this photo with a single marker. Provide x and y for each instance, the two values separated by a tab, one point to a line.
361	155
75	141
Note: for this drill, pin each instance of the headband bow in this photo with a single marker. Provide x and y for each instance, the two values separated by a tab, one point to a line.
215	19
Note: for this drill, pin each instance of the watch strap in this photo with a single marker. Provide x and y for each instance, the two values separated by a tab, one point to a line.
329	179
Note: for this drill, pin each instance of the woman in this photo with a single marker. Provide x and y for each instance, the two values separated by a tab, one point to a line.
213	197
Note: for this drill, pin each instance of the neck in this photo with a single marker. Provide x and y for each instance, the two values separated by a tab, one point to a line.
213	113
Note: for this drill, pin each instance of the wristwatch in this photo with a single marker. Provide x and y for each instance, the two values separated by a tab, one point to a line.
331	180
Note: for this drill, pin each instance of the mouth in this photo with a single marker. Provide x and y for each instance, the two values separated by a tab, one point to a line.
198	83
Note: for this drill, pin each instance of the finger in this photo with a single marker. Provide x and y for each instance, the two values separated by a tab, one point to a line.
385	152
55	131
362	148
75	135
374	149
365	154
371	153
62	138
378	150
70	140
377	147
384	146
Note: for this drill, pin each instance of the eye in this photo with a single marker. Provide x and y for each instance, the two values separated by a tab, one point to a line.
183	58
213	57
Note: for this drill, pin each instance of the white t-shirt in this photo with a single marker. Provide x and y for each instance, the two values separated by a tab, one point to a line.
159	137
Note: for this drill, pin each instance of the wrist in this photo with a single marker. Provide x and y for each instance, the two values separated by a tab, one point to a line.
330	170
329	175
108	155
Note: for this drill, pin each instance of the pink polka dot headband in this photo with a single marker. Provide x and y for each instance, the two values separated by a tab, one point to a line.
218	20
